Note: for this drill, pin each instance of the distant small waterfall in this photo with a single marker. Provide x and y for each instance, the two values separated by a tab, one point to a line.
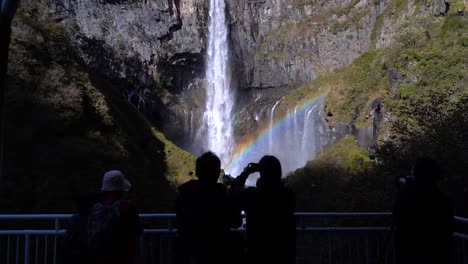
219	97
272	119
294	138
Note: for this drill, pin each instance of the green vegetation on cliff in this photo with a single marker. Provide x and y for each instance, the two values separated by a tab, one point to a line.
422	81
66	126
339	179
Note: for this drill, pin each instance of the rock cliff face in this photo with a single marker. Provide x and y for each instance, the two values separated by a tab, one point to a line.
157	47
279	42
282	44
138	40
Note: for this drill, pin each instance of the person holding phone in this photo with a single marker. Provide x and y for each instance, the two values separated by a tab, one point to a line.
269	209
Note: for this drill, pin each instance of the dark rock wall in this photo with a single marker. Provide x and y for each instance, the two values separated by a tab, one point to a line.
158	47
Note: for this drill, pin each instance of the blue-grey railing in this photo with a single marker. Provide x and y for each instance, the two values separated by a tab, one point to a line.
322	238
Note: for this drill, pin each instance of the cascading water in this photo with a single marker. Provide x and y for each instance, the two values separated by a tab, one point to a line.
219	98
294	138
294	141
272	119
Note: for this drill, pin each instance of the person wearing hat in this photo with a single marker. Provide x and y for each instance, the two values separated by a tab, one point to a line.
124	248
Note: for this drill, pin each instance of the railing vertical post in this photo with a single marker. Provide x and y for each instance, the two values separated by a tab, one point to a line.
26	249
350	250
57	227
56	224
459	251
8	250
161	260
367	249
55	249
330	259
465	257
358	249
142	239
17	249
37	248
46	248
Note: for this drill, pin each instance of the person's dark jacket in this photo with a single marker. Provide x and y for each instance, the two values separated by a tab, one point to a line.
131	229
270	221
424	223
204	218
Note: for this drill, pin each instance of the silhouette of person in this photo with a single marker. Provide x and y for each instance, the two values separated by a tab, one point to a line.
205	216
423	218
74	247
123	248
269	209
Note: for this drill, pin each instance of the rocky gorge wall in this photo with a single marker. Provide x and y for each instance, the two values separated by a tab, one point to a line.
157	47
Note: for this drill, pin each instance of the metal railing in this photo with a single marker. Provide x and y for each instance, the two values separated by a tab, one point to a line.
321	238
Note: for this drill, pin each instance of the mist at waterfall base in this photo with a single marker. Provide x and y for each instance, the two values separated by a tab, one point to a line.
294	139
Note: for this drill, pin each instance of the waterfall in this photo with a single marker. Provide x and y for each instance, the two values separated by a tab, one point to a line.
219	98
272	119
191	124
294	138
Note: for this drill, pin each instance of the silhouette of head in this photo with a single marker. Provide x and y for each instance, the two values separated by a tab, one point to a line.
270	170
115	180
208	167
426	170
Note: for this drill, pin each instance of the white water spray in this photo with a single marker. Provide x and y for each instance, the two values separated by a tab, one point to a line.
272	119
219	98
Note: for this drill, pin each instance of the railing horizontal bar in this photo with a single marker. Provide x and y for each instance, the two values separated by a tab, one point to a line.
343	214
66	216
343	229
32	232
159	231
164	231
172	215
34	216
156	216
461	219
461	236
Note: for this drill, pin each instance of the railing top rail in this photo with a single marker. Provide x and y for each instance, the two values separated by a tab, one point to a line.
34	216
173	230
461	219
172	215
343	214
33	232
461	236
66	216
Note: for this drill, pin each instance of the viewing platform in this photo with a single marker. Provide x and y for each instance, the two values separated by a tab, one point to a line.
321	238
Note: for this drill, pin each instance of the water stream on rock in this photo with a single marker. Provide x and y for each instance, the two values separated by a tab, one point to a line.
294	137
219	97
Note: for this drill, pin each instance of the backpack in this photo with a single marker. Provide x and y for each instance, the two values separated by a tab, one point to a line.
74	246
104	234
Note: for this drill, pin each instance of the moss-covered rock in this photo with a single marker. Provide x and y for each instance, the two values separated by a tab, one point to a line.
325	183
67	125
422	82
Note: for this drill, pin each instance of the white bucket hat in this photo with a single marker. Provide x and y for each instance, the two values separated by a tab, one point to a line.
114	180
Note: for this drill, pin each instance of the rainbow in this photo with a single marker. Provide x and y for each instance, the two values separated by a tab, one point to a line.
253	147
